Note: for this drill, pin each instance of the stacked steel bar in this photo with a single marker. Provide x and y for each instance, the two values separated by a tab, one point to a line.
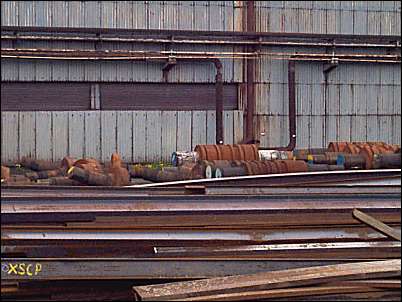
64	239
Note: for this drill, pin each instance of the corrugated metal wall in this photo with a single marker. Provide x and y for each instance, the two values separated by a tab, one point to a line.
360	101
139	136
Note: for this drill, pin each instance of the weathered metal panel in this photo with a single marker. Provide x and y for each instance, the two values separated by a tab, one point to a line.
346	17
317	131
262	98
237	126
303	99
76	14
186	15
385	128
372	128
211	127
184	131
170	15
333	17
228	127
318	99
9	13
92	134
26	134
273	129
43	13
359	128
396	129
125	135
108	14
319	14
169	138
360	18
43	135
331	129
9	136
59	135
26	14
276	99
198	128
108	134
153	133
155	14
344	128
360	100
346	99
60	13
303	131
92	14
139	135
76	134
9	70
201	17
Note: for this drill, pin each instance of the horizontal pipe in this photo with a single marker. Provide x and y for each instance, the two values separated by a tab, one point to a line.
201	42
196	33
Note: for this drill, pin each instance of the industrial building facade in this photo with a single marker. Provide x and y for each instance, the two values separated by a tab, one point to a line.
146	108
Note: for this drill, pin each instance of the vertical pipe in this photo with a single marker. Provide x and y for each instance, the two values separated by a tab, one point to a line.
219	102
292	109
250	66
292	104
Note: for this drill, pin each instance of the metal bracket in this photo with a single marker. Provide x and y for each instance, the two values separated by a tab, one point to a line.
167	67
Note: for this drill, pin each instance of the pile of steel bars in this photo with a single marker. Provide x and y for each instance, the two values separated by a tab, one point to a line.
99	243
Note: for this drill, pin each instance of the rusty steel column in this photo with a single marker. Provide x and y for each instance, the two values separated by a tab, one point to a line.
292	109
250	66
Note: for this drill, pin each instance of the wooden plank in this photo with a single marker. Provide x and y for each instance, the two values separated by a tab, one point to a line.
139	128
270	280
198	128
153	136
9	136
184	131
169	138
59	134
92	134
125	135
27	134
108	134
376	224
282	293
43	135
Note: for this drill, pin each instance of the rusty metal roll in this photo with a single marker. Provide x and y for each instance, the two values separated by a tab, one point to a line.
5	172
332	157
317	167
227	152
296	166
387	161
89	164
67	162
63	181
274	168
337	146
168	175
150	173
191	171
98	179
211	166
351	161
336	167
44	174
230	172
180	157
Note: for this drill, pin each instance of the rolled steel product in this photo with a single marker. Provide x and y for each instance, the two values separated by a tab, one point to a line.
136	171
296	166
336	167
351	161
5	172
317	167
387	161
396	148
352	148
150	174
337	146
319	159
98	179
229	172
89	164
227	152
78	174
180	157
44	165
269	154
191	171
50	173
63	181
274	168
166	176
67	162
18	179
332	157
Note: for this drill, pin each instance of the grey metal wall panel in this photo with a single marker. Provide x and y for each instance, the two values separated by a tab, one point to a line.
92	134
43	135
26	135
76	134
9	136
211	127
228	127
139	136
59	135
198	128
183	135
125	135
154	136
108	134
169	138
